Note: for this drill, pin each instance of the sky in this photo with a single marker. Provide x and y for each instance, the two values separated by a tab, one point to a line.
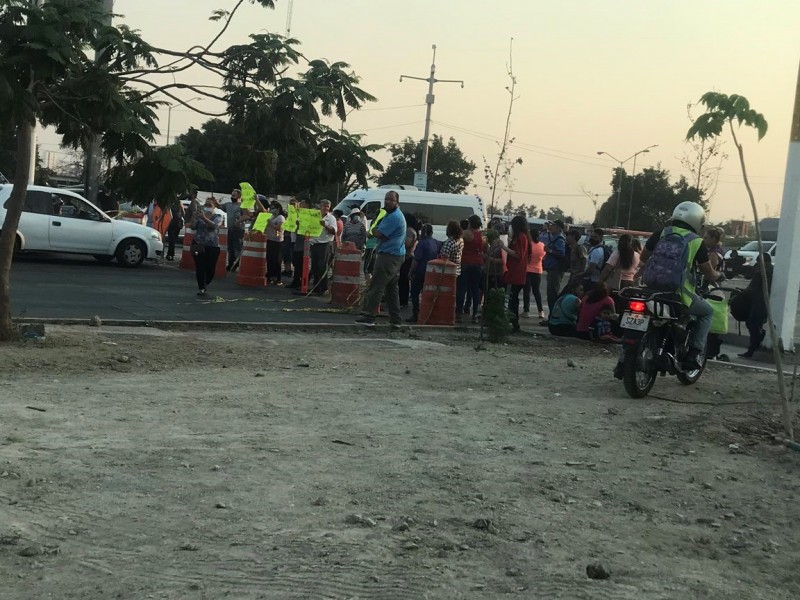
592	75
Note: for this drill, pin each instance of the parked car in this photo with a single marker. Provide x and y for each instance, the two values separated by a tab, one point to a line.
744	260
57	220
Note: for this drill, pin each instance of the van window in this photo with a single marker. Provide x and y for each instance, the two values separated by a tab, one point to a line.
36	202
347	205
371	209
436	214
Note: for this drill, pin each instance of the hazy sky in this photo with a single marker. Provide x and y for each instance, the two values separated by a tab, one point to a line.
613	75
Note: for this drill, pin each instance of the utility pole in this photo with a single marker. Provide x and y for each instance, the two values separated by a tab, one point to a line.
421	177
93	153
289	10
786	278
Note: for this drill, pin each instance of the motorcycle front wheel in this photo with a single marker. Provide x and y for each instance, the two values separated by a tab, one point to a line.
639	370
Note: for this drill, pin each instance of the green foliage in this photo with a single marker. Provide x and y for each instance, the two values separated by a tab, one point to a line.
162	175
654	199
449	171
555	212
496	317
722	109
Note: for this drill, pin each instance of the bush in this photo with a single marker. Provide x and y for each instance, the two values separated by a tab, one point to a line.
495	316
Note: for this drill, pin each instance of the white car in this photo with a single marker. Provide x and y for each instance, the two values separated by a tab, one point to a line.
57	220
746	262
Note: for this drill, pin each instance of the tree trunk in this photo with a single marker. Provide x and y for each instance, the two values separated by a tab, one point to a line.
773	334
8	235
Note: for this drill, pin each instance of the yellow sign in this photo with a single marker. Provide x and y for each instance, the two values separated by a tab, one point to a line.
261	222
248	196
291	219
310	222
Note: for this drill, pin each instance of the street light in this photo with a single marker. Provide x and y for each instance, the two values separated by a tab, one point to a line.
619	177
633	182
169	113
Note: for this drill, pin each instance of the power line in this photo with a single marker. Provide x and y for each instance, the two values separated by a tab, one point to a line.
513	191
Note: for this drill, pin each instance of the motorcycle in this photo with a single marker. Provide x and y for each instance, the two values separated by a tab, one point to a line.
655	340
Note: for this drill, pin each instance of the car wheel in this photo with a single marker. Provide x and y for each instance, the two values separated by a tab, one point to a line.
131	253
103	258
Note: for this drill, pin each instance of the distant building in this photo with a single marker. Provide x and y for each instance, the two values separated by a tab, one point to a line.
769	229
740	229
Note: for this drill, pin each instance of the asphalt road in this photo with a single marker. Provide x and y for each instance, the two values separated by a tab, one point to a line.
67	287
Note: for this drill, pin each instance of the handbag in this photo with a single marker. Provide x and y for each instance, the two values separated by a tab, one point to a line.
197	248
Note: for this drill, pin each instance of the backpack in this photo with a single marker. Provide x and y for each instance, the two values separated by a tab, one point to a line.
607	250
665	269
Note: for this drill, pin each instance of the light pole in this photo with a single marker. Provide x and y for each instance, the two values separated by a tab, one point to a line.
169	114
619	177
633	182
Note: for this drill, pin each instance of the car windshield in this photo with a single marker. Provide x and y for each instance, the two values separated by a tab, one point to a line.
753	246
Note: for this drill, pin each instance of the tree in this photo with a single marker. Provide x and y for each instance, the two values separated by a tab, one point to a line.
654	198
508	209
47	75
704	161
723	111
555	212
449	171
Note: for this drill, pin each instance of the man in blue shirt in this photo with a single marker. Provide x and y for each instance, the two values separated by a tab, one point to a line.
555	247
389	257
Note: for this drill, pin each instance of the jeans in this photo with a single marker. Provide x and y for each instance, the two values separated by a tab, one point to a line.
533	283
703	313
553	287
513	305
385	276
235	242
469	292
205	265
320	257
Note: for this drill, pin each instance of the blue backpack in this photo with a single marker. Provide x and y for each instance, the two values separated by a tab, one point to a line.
665	269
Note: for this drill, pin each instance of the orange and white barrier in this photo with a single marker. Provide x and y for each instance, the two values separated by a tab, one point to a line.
438	305
348	278
222	261
187	261
253	262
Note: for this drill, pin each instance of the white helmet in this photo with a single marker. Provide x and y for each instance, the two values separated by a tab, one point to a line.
690	213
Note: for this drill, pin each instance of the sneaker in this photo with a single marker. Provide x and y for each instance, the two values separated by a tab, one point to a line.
365	320
526	315
202	292
693	361
541	315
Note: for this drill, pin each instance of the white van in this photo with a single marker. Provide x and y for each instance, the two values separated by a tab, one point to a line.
428	207
56	220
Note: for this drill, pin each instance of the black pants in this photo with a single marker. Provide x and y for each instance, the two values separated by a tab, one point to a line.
297	264
533	283
417	283
562	330
320	257
205	265
513	305
274	260
172	238
404	285
287	252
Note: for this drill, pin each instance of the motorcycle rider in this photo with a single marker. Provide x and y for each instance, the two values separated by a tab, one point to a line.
688	218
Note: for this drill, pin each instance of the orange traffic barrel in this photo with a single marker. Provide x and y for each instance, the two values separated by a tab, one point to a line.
187	262
222	261
348	278
438	305
253	262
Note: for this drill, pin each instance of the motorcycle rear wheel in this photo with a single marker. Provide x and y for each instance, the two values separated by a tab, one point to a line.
638	369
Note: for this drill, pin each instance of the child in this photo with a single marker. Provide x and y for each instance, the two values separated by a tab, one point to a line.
602	327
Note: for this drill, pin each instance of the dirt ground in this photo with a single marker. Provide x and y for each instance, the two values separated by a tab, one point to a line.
243	464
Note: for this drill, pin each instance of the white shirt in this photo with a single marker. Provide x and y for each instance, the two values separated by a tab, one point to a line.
326	237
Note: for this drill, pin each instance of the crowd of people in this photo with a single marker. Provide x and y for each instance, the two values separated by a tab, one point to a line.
581	273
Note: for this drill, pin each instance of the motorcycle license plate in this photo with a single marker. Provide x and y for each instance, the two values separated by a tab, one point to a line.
634	321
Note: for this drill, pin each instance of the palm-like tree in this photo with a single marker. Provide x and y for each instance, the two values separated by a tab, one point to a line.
335	88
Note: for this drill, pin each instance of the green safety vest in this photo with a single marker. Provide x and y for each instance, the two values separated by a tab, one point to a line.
371	241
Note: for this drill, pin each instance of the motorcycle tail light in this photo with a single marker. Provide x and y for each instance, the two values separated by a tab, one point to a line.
637	306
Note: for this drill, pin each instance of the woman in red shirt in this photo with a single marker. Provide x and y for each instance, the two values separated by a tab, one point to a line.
518	253
594	305
469	293
534	278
